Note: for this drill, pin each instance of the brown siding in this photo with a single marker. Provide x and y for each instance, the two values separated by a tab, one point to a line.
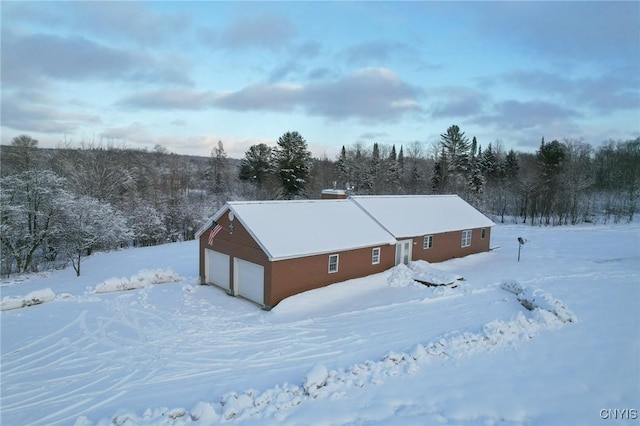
285	278
448	245
294	276
238	243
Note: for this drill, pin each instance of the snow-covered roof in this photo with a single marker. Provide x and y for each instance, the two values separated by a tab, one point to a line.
412	215
288	229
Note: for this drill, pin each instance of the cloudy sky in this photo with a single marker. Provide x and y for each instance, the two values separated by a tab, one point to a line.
185	75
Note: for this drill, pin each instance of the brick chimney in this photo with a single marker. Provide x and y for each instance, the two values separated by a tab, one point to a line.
333	194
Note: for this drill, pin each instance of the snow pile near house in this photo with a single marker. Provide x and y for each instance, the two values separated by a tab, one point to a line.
322	383
34	298
403	275
533	298
424	271
142	279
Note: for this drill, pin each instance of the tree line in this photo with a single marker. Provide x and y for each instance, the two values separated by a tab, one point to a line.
561	183
60	205
57	206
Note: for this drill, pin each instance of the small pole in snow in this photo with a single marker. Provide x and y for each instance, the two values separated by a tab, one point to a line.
521	242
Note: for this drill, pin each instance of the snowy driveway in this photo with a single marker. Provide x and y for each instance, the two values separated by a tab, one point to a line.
135	349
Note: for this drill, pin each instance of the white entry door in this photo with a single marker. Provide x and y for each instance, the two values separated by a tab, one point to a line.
249	280
216	268
403	251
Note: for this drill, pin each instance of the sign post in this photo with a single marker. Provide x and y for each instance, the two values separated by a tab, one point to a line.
521	242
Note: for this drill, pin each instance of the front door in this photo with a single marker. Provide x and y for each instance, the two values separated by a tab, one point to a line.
403	251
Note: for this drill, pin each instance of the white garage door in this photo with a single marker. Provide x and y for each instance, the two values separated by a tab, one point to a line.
249	280
217	268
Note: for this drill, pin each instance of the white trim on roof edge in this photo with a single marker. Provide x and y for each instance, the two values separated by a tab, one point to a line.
229	206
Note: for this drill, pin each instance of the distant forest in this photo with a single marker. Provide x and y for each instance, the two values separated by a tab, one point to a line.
59	205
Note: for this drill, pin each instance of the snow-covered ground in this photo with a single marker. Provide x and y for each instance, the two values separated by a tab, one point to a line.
552	339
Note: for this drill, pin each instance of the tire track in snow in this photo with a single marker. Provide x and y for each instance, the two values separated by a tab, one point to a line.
136	351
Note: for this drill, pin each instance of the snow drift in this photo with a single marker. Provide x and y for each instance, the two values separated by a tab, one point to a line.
140	280
34	298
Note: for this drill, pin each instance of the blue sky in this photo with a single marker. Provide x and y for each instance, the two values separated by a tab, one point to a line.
187	74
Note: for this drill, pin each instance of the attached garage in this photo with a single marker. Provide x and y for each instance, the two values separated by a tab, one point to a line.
216	268
248	280
275	249
266	251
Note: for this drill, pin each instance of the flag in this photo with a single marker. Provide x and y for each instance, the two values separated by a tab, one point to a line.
214	231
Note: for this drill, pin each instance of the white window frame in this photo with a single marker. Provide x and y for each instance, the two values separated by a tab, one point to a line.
337	261
483	233
427	243
375	255
466	238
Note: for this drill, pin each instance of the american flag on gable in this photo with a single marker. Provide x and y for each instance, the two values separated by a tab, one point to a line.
213	232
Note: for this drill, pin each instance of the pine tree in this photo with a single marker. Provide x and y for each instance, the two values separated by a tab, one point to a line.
512	166
457	147
292	163
401	171
373	179
475	178
474	147
344	171
392	174
489	162
255	166
440	176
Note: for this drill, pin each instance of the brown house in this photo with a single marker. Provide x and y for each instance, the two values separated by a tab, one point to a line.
266	251
434	228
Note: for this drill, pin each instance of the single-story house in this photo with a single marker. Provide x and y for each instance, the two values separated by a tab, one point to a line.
434	228
266	251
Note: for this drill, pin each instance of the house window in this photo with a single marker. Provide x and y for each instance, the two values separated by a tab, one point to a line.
466	238
333	263
428	242
483	233
375	256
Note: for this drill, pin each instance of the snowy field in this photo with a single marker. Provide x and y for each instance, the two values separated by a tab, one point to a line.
551	340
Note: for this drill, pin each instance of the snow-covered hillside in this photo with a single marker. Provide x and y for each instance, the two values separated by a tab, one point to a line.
552	339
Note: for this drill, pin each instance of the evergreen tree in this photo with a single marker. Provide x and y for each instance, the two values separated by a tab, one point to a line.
374	176
551	159
359	169
489	162
292	164
401	166
512	166
474	147
255	166
440	174
475	177
457	148
344	171
392	174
